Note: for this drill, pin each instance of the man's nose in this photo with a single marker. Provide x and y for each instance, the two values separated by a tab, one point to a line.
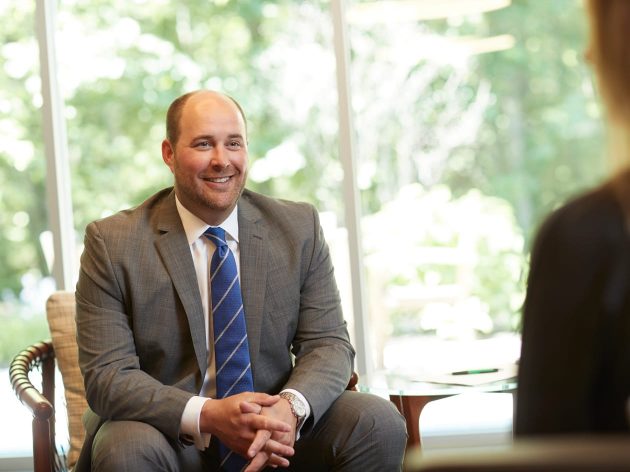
219	158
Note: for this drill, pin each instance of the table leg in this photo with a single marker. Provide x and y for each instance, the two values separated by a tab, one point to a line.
410	406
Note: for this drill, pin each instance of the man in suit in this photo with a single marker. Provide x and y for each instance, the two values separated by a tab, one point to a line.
144	323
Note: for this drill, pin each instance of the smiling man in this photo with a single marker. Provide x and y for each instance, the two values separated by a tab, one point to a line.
209	324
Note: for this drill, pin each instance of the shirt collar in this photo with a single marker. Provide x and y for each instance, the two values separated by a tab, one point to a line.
194	226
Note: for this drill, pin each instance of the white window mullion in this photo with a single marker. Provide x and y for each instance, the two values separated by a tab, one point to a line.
352	197
56	149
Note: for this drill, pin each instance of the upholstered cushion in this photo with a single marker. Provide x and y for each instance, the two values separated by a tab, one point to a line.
60	311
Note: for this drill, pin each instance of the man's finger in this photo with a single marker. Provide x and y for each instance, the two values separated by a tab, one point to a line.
277	448
247	407
261	438
262	399
257	463
275	461
263	460
271	424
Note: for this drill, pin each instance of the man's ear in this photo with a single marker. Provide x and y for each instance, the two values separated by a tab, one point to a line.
168	154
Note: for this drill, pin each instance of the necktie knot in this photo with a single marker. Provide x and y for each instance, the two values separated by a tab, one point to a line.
217	236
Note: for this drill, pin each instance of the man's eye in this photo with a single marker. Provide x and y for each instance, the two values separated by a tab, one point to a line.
203	144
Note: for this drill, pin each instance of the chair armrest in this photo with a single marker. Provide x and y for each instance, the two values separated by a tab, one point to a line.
352	384
40	403
40	354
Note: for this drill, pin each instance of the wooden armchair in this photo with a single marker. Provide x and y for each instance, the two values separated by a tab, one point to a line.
60	312
61	352
40	403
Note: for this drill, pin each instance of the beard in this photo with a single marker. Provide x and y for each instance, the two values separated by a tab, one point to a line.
207	203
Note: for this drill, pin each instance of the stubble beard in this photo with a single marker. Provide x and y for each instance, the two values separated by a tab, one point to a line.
199	196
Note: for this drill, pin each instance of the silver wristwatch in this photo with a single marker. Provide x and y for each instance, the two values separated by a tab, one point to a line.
297	407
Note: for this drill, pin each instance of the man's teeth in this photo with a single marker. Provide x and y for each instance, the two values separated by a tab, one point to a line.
219	179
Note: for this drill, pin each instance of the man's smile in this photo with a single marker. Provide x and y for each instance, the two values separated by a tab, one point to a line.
219	180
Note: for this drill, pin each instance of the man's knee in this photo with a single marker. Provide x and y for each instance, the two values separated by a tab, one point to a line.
360	432
392	434
382	421
380	435
131	446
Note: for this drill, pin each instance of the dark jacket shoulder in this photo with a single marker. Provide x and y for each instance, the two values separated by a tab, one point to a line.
585	223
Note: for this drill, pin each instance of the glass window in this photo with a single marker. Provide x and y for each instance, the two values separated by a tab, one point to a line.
25	239
121	63
472	125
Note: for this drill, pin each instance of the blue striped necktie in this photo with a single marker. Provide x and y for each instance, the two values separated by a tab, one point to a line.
231	349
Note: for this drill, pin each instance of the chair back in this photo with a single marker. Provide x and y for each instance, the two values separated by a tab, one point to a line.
60	312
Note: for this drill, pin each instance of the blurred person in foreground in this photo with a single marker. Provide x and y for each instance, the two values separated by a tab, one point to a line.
574	373
148	311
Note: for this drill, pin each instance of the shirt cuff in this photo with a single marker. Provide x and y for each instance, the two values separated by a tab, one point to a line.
306	405
189	425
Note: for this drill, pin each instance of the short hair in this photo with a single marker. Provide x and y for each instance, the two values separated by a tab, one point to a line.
609	51
174	115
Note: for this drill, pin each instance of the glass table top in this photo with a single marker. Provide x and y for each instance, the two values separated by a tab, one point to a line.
405	384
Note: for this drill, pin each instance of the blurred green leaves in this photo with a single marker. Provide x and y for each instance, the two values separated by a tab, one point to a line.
520	125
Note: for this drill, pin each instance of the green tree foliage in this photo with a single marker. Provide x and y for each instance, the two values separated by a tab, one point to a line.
520	124
542	140
22	213
139	59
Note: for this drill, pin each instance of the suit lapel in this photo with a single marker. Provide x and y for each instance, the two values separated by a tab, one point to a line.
253	263
173	247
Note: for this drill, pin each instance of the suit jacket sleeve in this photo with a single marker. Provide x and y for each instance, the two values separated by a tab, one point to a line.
323	354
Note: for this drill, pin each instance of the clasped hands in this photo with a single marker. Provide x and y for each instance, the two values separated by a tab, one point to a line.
257	426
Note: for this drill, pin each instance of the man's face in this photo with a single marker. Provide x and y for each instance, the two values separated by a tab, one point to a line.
209	160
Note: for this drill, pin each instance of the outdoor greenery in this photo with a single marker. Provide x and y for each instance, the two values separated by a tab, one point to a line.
516	130
458	265
509	134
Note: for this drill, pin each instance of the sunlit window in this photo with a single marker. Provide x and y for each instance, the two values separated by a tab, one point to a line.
25	239
472	124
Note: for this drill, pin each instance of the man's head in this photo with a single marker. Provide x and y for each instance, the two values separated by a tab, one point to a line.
174	114
206	150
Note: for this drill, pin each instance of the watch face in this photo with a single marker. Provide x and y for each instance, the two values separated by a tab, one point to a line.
298	408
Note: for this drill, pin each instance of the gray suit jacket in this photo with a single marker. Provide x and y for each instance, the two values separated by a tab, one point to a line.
140	323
